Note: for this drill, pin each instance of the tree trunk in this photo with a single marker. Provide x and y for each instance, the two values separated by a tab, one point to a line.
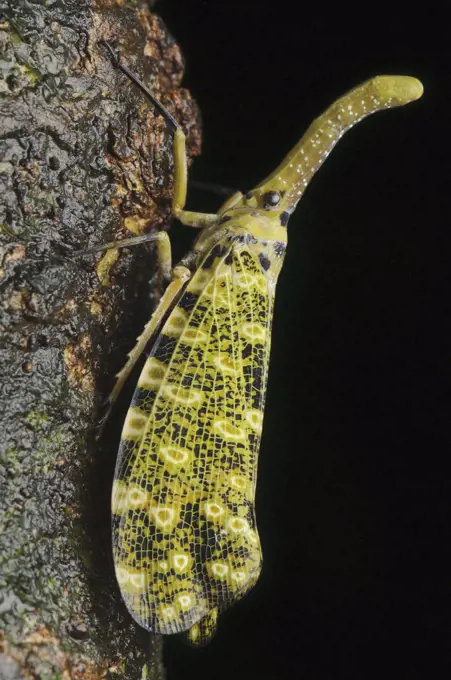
81	151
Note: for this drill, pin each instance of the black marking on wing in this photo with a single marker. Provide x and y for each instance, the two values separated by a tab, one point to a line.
164	348
216	252
284	217
264	261
279	248
188	301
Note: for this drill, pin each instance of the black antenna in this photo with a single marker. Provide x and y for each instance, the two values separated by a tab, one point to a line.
158	105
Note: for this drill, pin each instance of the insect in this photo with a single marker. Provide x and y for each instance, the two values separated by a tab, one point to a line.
185	538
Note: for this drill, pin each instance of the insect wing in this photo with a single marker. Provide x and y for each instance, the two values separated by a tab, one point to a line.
184	532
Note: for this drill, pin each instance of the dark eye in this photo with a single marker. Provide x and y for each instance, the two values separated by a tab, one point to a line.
271	199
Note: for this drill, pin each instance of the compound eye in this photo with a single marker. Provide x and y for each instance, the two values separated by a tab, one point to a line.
271	199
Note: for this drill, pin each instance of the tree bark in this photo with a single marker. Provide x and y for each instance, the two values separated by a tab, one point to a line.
81	151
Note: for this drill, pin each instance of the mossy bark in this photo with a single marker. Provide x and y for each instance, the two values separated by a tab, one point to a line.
81	151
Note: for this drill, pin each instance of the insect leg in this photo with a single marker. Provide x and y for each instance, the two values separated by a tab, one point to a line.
186	217
230	202
124	243
190	219
180	275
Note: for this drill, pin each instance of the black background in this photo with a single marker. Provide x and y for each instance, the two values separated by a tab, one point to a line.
353	492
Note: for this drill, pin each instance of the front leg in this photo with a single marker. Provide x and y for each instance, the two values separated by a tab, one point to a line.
186	217
191	219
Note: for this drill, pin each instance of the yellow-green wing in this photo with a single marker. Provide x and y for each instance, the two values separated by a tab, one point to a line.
184	534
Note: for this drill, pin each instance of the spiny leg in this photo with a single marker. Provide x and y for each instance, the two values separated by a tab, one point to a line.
180	275
178	278
169	298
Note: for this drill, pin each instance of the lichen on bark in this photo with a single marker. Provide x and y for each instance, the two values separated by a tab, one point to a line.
81	155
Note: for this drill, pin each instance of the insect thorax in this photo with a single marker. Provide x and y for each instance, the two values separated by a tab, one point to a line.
264	232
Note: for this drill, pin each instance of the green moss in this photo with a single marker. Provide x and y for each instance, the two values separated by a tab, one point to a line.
10	460
36	419
32	74
14	36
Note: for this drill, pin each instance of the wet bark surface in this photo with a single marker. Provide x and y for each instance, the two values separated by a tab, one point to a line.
81	151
